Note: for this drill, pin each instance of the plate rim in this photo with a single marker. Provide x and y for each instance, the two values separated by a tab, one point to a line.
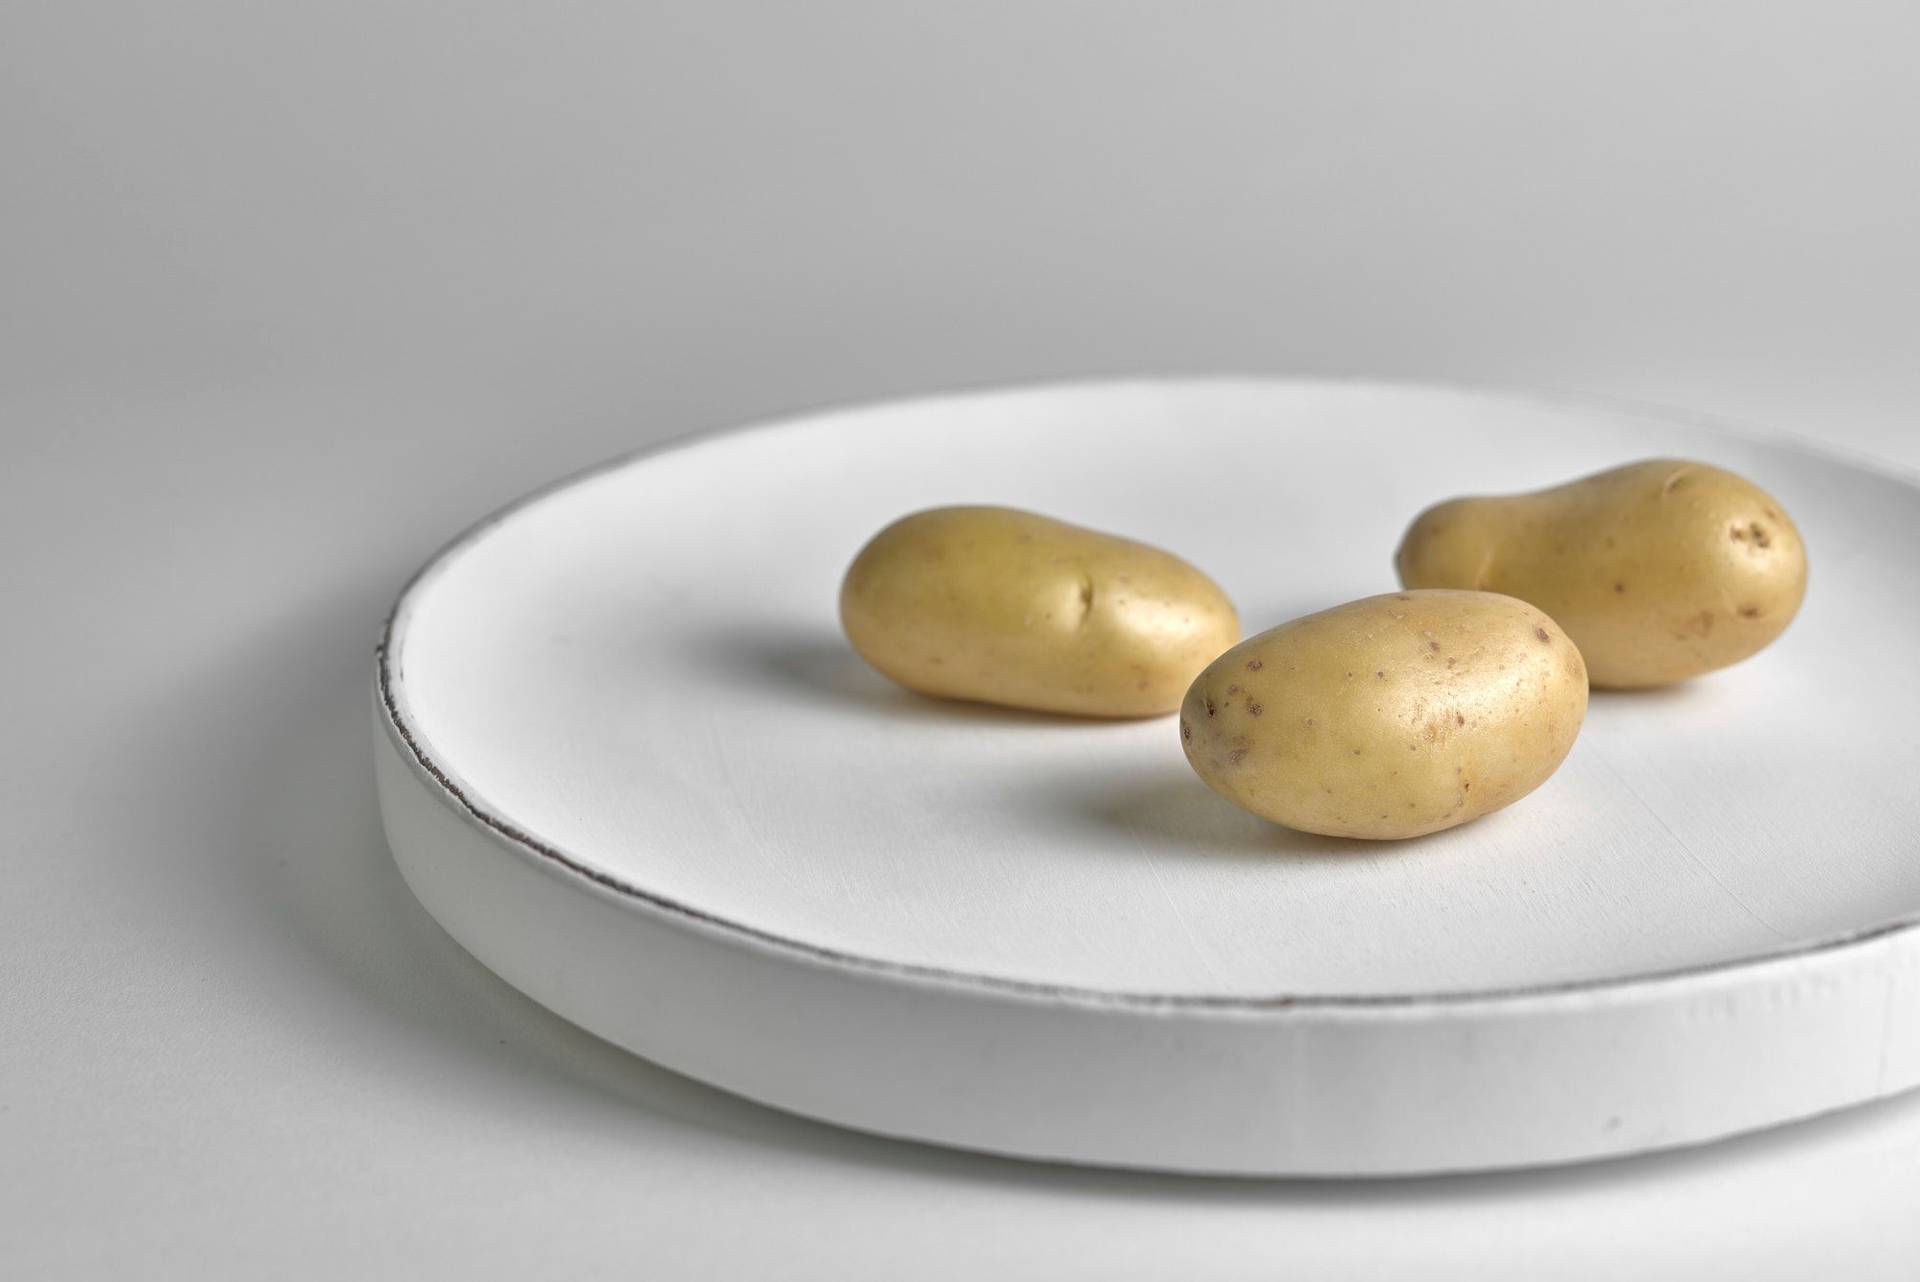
390	698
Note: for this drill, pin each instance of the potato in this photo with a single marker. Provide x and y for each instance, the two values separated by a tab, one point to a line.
1388	717
1008	607
1659	571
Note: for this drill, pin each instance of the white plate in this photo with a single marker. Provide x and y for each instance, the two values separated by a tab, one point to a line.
628	761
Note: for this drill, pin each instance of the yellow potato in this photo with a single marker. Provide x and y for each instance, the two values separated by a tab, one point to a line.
1659	571
1388	717
1008	607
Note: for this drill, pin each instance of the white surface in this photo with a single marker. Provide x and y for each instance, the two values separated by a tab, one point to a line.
266	267
626	759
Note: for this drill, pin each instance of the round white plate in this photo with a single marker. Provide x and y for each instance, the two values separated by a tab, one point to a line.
627	759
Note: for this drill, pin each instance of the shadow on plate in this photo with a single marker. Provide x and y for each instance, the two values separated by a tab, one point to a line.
820	667
1165	808
1667	696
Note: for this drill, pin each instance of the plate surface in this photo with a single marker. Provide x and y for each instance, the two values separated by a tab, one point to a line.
628	760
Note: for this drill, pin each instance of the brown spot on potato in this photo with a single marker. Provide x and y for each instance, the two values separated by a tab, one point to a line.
1234	688
1542	634
1459	718
1186	731
1254	665
1210	707
1750	612
1619	587
1433	645
1237	756
1253	709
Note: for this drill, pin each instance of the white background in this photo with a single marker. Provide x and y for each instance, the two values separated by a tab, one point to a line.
289	293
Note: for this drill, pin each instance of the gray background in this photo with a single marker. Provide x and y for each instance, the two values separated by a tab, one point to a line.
288	293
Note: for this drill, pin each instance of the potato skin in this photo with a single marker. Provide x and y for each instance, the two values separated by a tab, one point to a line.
1388	717
1659	570
1003	606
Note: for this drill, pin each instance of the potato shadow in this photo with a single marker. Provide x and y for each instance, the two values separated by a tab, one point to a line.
1680	692
794	662
1168	808
1165	810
